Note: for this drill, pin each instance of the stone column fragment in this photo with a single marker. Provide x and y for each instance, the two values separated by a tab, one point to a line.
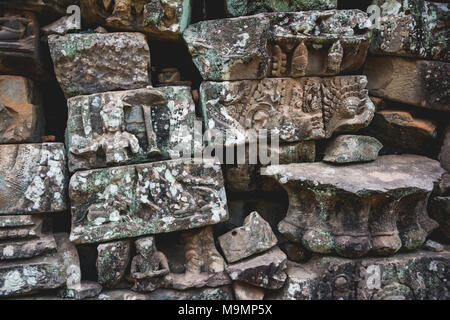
355	209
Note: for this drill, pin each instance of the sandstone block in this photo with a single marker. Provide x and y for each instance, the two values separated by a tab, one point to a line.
133	126
159	19
355	209
312	43
131	201
255	236
420	83
21	118
98	62
294	109
32	178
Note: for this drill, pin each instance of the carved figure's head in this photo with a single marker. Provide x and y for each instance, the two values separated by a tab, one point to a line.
146	247
258	117
112	117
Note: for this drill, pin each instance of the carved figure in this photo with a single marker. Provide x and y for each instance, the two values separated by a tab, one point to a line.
149	267
279	62
335	56
115	142
299	60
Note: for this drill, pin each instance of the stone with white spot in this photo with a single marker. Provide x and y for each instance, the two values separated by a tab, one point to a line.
192	198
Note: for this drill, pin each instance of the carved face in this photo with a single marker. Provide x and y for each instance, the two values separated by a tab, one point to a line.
113	119
350	107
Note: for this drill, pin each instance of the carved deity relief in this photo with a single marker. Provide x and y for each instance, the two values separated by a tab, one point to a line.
114	141
149	267
297	58
117	128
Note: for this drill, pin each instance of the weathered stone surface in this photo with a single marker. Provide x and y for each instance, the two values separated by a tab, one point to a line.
255	236
236	8
440	205
97	62
313	43
45	272
403	132
433	246
352	148
25	249
297	152
294	109
408	276
221	293
124	127
414	28
145	199
20	227
157	18
19	44
445	150
241	178
265	270
246	292
82	290
417	82
112	260
32	178
204	266
213	294
355	209
296	252
116	295
21	117
149	267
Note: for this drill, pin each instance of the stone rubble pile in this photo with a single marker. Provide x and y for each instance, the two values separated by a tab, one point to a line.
357	207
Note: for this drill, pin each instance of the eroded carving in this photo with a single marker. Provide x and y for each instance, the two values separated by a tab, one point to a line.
32	178
376	207
145	199
149	267
124	127
295	109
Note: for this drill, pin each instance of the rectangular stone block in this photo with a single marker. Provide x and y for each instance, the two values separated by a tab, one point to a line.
19	44
160	19
236	8
20	227
296	109
295	44
420	83
125	127
131	201
97	62
21	115
27	249
413	28
49	271
32	178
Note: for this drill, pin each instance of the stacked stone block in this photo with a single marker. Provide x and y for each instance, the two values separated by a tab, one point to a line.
359	106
